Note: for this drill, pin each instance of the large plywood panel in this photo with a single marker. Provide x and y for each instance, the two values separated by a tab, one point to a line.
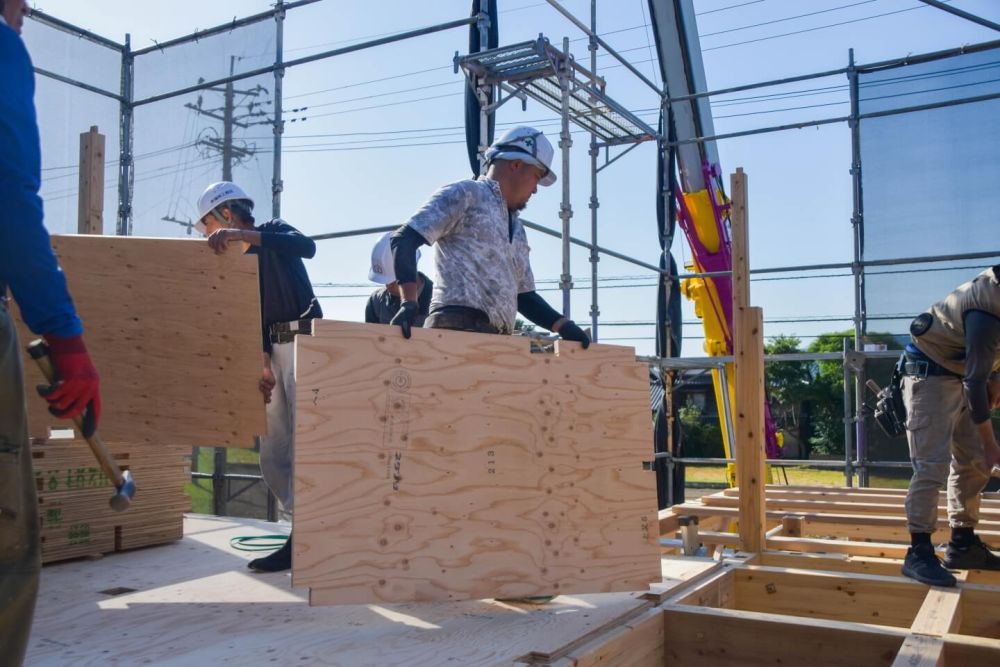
459	466
174	331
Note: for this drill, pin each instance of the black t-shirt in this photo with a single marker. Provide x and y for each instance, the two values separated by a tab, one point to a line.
382	304
286	294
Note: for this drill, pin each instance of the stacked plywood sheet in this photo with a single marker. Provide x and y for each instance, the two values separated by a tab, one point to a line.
459	466
174	331
73	498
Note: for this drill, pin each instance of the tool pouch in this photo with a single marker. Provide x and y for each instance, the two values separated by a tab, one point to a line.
890	412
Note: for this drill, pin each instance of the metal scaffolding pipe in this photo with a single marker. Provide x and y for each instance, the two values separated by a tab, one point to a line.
840	119
225	27
595	257
963	14
79	84
565	206
575	21
308	59
126	129
277	185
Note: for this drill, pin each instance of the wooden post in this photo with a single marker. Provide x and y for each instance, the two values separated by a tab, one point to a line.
748	355
740	237
91	210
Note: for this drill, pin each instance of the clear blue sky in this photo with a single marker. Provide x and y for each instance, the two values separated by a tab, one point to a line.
383	130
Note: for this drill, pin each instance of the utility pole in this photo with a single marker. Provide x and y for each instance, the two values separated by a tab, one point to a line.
232	114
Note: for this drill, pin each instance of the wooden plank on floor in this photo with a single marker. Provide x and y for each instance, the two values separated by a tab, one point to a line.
461	466
174	331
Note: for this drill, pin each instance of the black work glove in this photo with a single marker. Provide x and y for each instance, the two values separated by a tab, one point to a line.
405	316
569	331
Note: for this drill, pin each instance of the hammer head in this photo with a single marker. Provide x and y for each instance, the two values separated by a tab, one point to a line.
124	493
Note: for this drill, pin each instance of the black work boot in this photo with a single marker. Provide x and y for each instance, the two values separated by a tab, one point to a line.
922	564
972	555
278	561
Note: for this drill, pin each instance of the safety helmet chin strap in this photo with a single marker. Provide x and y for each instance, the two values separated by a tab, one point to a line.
216	213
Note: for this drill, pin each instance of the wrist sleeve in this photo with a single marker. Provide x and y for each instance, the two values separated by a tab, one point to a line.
537	309
404	243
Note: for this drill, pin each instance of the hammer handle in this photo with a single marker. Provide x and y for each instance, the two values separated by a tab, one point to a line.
97	446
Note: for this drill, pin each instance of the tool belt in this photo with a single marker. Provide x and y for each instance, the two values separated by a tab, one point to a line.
918	365
285	332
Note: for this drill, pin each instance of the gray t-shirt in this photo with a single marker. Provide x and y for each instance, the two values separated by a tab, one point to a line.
482	250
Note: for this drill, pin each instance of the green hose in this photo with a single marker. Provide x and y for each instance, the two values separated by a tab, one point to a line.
258	542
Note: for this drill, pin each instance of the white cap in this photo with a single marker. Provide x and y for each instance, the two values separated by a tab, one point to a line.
219	193
382	271
527	144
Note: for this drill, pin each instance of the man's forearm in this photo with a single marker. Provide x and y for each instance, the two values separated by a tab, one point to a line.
250	236
409	291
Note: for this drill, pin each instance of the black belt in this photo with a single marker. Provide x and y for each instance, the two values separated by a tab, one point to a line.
459	318
921	367
285	332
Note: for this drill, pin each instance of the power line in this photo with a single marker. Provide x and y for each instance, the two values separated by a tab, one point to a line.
787	18
805	30
723	9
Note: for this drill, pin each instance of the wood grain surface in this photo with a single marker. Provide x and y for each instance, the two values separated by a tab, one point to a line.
457	466
174	331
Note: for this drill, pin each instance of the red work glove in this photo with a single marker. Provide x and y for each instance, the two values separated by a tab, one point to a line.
76	387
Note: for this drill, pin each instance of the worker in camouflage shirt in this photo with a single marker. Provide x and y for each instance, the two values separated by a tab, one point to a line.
483	274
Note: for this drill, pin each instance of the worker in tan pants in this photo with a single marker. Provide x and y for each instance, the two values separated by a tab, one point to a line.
944	450
949	387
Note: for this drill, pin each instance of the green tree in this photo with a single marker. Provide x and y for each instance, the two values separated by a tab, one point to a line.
701	436
789	384
828	389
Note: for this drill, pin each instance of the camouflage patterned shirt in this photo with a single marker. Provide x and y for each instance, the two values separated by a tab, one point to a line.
482	250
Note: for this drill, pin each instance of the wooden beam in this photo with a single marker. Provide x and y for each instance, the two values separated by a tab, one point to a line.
964	651
91	205
636	643
724	637
740	239
854	548
792	525
858	598
749	428
920	651
979	612
888	567
940	612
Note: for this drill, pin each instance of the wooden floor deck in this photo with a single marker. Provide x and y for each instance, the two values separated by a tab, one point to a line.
194	602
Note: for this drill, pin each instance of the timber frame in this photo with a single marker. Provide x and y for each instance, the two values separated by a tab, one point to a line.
827	589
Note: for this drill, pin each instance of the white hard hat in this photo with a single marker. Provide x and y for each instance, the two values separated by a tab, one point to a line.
527	144
382	271
219	193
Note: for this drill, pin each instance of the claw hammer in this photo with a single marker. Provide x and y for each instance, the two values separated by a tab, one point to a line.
124	484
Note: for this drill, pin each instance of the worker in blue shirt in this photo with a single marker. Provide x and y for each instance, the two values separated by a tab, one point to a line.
288	306
28	268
